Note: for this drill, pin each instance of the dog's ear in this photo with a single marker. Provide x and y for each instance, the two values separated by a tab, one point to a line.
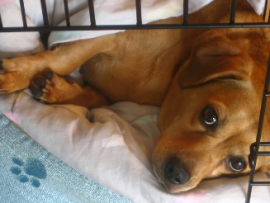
214	56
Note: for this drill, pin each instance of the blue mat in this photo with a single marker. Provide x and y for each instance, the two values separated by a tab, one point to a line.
31	174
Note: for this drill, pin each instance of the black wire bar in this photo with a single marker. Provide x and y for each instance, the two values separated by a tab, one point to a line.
23	14
185	12
138	12
232	12
265	9
66	12
136	27
254	148
258	183
44	13
92	13
1	23
139	24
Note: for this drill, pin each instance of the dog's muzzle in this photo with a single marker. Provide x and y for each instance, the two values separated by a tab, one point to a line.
175	173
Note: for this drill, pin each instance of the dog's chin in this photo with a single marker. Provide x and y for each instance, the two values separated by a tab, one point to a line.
172	188
177	188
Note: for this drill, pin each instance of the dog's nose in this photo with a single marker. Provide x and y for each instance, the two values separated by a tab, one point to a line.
175	173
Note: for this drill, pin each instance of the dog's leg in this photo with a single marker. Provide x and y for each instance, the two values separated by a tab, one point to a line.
52	89
17	73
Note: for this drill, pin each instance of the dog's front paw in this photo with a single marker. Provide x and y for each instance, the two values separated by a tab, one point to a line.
12	76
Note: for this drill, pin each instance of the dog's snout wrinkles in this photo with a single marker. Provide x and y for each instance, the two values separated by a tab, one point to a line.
174	172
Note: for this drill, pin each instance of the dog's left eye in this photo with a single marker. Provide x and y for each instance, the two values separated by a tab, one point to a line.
209	116
236	164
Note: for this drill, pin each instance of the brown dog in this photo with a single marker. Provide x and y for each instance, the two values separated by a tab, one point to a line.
208	83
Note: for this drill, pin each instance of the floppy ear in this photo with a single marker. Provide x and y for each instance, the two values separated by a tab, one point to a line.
214	56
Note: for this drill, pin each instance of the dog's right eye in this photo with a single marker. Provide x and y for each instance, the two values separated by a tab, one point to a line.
209	116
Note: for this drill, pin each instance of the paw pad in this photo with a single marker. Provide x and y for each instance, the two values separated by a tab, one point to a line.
48	75
38	85
30	171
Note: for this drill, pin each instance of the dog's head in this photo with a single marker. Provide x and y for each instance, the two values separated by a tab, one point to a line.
210	115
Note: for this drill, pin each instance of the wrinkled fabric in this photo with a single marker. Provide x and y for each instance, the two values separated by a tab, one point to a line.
31	174
112	146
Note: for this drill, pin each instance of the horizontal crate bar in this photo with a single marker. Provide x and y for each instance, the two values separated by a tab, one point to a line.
264	144
267	94
260	183
134	27
263	153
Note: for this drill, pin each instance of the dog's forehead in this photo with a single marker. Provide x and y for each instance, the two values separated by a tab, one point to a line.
229	97
232	93
237	108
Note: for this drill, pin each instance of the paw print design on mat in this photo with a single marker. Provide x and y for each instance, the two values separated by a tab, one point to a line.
30	171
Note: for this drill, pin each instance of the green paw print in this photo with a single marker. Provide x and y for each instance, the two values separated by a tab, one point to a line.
30	171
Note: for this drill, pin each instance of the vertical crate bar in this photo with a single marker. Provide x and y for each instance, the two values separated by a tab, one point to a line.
66	12
232	12
1	23
92	12
44	13
23	13
265	10
254	156
185	12
138	12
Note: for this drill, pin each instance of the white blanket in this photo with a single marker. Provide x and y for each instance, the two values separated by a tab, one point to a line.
111	145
